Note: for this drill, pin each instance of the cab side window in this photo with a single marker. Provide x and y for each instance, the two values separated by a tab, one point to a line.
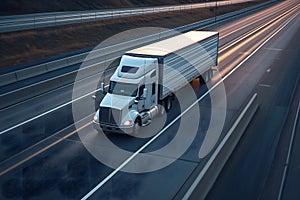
153	88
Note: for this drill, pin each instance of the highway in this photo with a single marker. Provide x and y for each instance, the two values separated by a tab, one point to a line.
41	20
46	158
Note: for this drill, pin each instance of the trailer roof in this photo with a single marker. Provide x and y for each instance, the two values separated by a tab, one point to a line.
173	44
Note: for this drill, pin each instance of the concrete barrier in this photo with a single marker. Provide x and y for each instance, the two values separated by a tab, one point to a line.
8	78
31	72
57	64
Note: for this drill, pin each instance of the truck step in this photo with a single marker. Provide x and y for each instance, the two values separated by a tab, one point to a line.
144	115
147	123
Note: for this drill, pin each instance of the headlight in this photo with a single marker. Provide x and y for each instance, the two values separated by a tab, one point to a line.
95	117
128	122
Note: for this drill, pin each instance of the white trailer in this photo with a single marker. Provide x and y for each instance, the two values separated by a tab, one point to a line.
147	77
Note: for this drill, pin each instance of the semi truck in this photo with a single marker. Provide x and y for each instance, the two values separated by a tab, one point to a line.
147	77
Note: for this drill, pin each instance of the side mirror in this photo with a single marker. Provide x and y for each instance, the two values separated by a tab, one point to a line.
102	88
136	101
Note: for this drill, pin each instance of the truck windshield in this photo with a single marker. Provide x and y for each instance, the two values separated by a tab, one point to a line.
125	89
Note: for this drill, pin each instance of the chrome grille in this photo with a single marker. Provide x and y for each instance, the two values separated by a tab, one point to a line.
109	115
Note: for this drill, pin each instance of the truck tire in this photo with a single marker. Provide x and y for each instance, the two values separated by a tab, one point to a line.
202	81
168	103
211	74
162	109
136	127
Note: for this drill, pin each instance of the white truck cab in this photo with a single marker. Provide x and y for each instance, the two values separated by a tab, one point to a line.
132	93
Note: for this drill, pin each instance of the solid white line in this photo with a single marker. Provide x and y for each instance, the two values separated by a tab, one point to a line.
264	85
216	152
41	141
260	46
45	113
178	117
269	11
286	165
198	179
255	30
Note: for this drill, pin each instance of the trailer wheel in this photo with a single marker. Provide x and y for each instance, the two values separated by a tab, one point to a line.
211	74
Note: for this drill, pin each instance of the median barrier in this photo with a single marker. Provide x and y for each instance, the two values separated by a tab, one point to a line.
8	78
31	72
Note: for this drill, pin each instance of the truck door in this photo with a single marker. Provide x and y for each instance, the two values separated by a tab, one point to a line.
152	87
150	83
141	100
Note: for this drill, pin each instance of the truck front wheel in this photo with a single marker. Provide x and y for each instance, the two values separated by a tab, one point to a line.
137	124
166	105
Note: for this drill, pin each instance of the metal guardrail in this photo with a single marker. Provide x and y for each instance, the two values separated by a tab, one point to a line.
17	96
41	20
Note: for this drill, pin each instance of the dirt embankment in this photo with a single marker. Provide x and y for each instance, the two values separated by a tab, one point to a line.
27	46
13	7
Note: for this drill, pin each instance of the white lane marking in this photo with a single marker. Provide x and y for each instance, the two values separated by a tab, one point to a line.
198	179
49	111
43	149
255	30
178	117
273	49
40	142
286	165
270	10
45	113
265	85
216	152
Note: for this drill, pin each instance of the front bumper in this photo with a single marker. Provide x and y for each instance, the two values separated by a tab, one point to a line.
113	128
